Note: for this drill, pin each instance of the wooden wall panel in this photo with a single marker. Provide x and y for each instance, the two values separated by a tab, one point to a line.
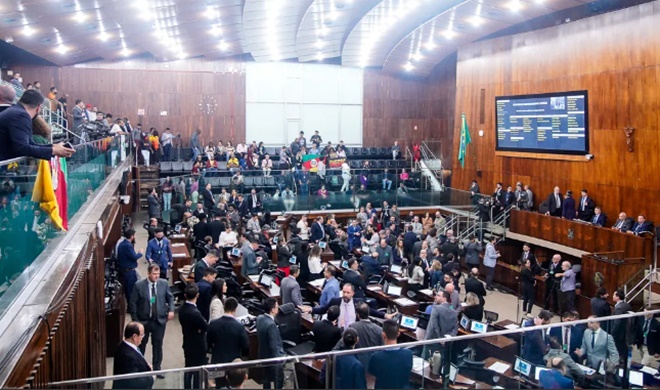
616	57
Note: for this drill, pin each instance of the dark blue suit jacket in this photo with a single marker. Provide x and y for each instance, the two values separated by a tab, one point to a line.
16	135
577	332
155	254
640	228
409	240
126	255
204	299
601	220
317	232
533	345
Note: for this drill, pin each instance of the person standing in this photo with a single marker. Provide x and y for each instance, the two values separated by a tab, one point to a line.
152	304
647	338
527	282
551	283
290	288
599	305
166	142
555	203
534	341
392	366
270	344
195	144
330	286
154	204
167	187
598	346
129	360
472	249
193	327
227	338
349	371
621	330
444	319
326	333
127	262
490	261
567	288
159	252
474	285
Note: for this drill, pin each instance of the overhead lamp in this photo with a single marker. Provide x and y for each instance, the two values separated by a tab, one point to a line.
80	17
515	5
476	21
408	67
224	46
125	52
319	56
216	31
103	36
62	49
417	56
181	55
212	13
28	31
430	45
323	32
449	34
320	44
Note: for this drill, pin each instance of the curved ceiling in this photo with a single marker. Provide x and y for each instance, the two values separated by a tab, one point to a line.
399	35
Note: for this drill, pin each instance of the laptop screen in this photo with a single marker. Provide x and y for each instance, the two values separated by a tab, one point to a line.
395	269
292	259
538	372
177	228
523	367
465	322
276	239
478	327
394	290
409	322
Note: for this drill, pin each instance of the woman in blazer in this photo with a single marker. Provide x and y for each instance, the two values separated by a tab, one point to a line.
218	291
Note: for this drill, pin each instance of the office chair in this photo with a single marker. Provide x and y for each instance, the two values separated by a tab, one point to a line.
289	320
491	316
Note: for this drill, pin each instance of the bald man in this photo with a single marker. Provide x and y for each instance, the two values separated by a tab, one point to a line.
7	96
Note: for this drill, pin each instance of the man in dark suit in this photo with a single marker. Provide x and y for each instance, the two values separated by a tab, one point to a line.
203	300
254	202
200	210
216	227
641	226
570	336
159	252
534	342
352	276
7	96
201	229
129	360
474	192
242	206
598	218
250	264
621	330
509	197
528	255
152	304
599	305
207	195
409	239
326	332
193	327
647	337
154	204
270	344
555	203
623	224
207	262
474	285
318	232
585	207
227	338
16	131
127	262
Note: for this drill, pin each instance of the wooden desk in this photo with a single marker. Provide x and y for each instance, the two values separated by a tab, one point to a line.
410	308
583	236
500	347
180	257
265	292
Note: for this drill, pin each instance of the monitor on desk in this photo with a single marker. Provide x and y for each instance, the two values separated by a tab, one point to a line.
322	244
265	280
236	252
177	228
635	378
395	269
344	264
465	322
409	322
523	367
391	289
276	239
478	327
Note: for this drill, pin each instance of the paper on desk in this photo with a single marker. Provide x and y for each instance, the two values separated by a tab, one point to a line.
178	244
419	364
179	255
586	370
317	282
427	291
374	288
649	370
405	302
511	326
499	367
335	263
253	278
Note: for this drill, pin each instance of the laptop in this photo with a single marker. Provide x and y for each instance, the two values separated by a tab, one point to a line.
465	322
478	327
322	244
635	378
265	280
523	367
236	252
395	269
409	322
390	289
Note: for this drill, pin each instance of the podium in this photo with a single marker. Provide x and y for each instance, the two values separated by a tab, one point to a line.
615	269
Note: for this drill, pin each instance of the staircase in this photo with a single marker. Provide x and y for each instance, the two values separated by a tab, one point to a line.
431	168
148	180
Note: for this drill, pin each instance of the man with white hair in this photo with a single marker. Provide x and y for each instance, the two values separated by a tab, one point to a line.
7	96
567	288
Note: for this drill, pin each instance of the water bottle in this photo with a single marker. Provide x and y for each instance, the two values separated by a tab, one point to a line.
437	362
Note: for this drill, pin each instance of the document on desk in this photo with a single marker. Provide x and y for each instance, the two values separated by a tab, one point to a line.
427	291
179	255
375	287
335	263
648	370
499	367
419	364
586	370
253	278
317	283
178	244
511	326
405	302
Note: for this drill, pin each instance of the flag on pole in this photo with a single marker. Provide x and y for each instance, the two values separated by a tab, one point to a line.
310	162
465	140
50	191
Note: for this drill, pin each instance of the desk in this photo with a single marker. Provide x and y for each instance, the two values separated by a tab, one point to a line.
500	347
403	304
265	292
180	257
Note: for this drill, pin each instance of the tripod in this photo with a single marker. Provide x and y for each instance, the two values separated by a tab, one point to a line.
552	293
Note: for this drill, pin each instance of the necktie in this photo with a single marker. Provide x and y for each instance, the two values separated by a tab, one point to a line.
566	339
154	310
593	339
345	315
525	255
160	244
647	324
584	201
595	220
557	200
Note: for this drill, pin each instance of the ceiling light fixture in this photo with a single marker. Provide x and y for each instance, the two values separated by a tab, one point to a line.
449	34
125	52
515	5
28	31
216	31
430	45
417	56
319	56
408	67
224	46
103	36
212	13
476	21
62	49
319	44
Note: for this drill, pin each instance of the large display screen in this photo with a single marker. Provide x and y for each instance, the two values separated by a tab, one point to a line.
544	123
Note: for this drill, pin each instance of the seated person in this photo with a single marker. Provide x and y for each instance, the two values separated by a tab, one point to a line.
556	378
473	308
371	265
326	332
641	226
417	277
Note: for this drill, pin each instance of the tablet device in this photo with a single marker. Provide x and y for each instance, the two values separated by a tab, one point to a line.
478	327
465	322
177	228
523	367
293	260
265	280
393	290
276	239
409	322
322	244
395	269
236	252
453	371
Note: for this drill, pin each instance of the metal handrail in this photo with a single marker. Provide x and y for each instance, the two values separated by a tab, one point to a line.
77	146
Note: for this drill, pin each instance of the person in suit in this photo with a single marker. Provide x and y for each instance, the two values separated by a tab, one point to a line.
568	206
555	203
474	192
193	327
159	252
152	304
555	378
204	288
349	370
290	289
201	229
409	239
623	224
235	377
330	285
254	202
227	338
621	330
207	196
585	210
598	218
326	332
498	198
530	198
527	283
200	210
7	96
597	346
599	305
472	249
641	226
129	360
552	267
253	224
444	319
474	285
354	232
555	350
490	261
127	259
509	197
647	338
527	254
317	231
473	309
154	204
270	344
352	276
570	336
369	334
533	341
250	264
216	227
242	206
207	261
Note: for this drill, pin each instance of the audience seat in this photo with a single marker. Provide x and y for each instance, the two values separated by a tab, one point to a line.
177	166
187	166
165	166
224	182
258	181
248	181
269	181
354	164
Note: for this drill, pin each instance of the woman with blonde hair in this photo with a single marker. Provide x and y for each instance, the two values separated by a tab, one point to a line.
473	308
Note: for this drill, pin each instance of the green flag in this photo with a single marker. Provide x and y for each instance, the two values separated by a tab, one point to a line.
465	140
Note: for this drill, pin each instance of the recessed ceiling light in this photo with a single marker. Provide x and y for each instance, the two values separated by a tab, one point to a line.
430	45
319	56
515	5
417	56
476	21
320	44
62	49
323	32
181	55
216	31
224	46
212	13
28	31
103	36
125	52
80	17
408	67
449	34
